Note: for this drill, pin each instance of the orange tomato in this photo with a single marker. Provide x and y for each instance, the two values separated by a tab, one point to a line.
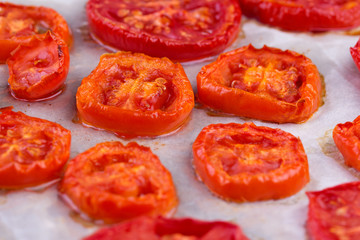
267	84
113	182
244	162
132	94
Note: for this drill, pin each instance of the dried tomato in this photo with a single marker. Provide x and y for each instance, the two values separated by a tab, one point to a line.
267	84
113	182
347	139
334	213
355	53
32	150
38	68
18	23
160	228
135	95
244	162
177	29
304	15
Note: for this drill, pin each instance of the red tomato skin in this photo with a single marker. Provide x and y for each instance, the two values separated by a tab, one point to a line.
22	71
115	34
15	174
222	98
43	15
155	228
303	15
355	53
333	213
282	182
100	194
135	122
346	138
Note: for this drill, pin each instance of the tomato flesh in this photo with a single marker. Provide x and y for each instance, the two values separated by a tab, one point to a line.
112	182
38	69
32	150
160	228
334	213
267	84
243	162
178	29
135	95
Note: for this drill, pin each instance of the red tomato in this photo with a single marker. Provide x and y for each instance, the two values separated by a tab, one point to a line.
38	69
355	53
334	213
304	15
112	182
177	29
32	150
160	228
347	139
18	22
135	95
244	162
268	84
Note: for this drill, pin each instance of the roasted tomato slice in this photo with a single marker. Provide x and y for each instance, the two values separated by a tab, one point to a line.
267	84
177	29
244	162
135	95
38	68
347	139
32	150
160	228
334	213
355	53
18	22
304	15
112	182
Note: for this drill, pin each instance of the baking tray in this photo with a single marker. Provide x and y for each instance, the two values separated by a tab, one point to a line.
40	214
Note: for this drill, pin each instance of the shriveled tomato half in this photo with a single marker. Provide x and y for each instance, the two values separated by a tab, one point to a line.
267	84
113	182
32	150
18	22
160	228
334	213
38	68
244	162
347	139
355	53
177	29
135	95
304	15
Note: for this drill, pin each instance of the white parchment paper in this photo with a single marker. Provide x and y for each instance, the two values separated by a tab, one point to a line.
41	215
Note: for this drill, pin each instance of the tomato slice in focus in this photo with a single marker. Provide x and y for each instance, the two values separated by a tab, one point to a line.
32	150
304	15
267	84
38	68
347	139
334	213
244	162
135	95
160	228
18	23
112	182
177	29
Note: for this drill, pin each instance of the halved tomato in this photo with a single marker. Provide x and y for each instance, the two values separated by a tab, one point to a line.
177	29
135	95
32	150
19	22
244	162
267	84
38	68
112	182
